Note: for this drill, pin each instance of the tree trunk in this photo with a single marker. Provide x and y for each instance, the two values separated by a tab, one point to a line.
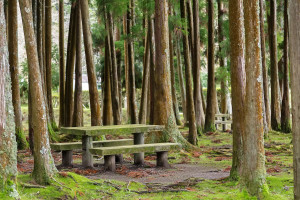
145	86
152	72
199	112
78	110
94	99
211	88
8	145
114	71
294	42
44	167
264	66
188	74
181	80
107	103
61	64
285	110
48	49
131	72
275	92
238	82
163	109
253	174
69	103
14	70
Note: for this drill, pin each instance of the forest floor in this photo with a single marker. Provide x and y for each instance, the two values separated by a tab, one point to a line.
200	174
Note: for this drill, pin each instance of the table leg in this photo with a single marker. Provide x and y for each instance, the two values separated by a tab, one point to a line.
87	157
138	157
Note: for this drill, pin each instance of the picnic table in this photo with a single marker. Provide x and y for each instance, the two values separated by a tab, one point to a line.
88	133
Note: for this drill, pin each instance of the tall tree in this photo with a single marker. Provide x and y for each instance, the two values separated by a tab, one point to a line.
264	66
188	74
44	167
8	145
238	81
48	56
294	42
61	63
211	87
253	166
285	109
88	45
14	70
199	112
275	92
78	110
163	107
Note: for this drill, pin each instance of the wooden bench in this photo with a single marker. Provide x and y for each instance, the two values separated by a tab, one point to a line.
161	150
67	148
225	120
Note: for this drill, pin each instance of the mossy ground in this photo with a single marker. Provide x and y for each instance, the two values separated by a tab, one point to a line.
214	151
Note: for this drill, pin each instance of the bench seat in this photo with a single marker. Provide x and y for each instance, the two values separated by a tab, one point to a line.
160	148
223	122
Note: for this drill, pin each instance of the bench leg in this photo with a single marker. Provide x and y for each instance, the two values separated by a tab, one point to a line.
87	157
110	163
162	159
139	157
119	158
224	125
67	158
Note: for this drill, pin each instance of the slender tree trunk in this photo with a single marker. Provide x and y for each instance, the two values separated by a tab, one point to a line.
126	66
253	174
8	145
172	71
107	102
211	88
264	66
199	112
131	72
14	70
188	74
114	71
152	72
78	110
61	64
145	86
69	103
275	92
119	60
238	82
294	42
94	99
48	49
44	167
181	80
163	110
285	110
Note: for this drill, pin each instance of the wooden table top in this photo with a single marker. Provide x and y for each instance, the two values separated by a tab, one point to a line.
111	130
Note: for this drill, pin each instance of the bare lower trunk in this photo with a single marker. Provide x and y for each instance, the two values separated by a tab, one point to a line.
44	168
294	42
61	64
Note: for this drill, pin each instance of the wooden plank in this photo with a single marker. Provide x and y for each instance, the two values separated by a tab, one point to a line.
157	147
111	130
223	122
223	115
78	145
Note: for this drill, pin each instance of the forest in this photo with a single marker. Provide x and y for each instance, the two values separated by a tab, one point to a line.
149	99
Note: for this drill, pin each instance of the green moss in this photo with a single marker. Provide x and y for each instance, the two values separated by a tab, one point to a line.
21	140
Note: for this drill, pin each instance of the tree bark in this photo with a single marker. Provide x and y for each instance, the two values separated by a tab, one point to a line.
275	92
44	167
285	109
294	42
164	114
253	174
94	99
61	64
152	72
199	112
14	71
188	74
8	145
78	110
238	82
211	88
